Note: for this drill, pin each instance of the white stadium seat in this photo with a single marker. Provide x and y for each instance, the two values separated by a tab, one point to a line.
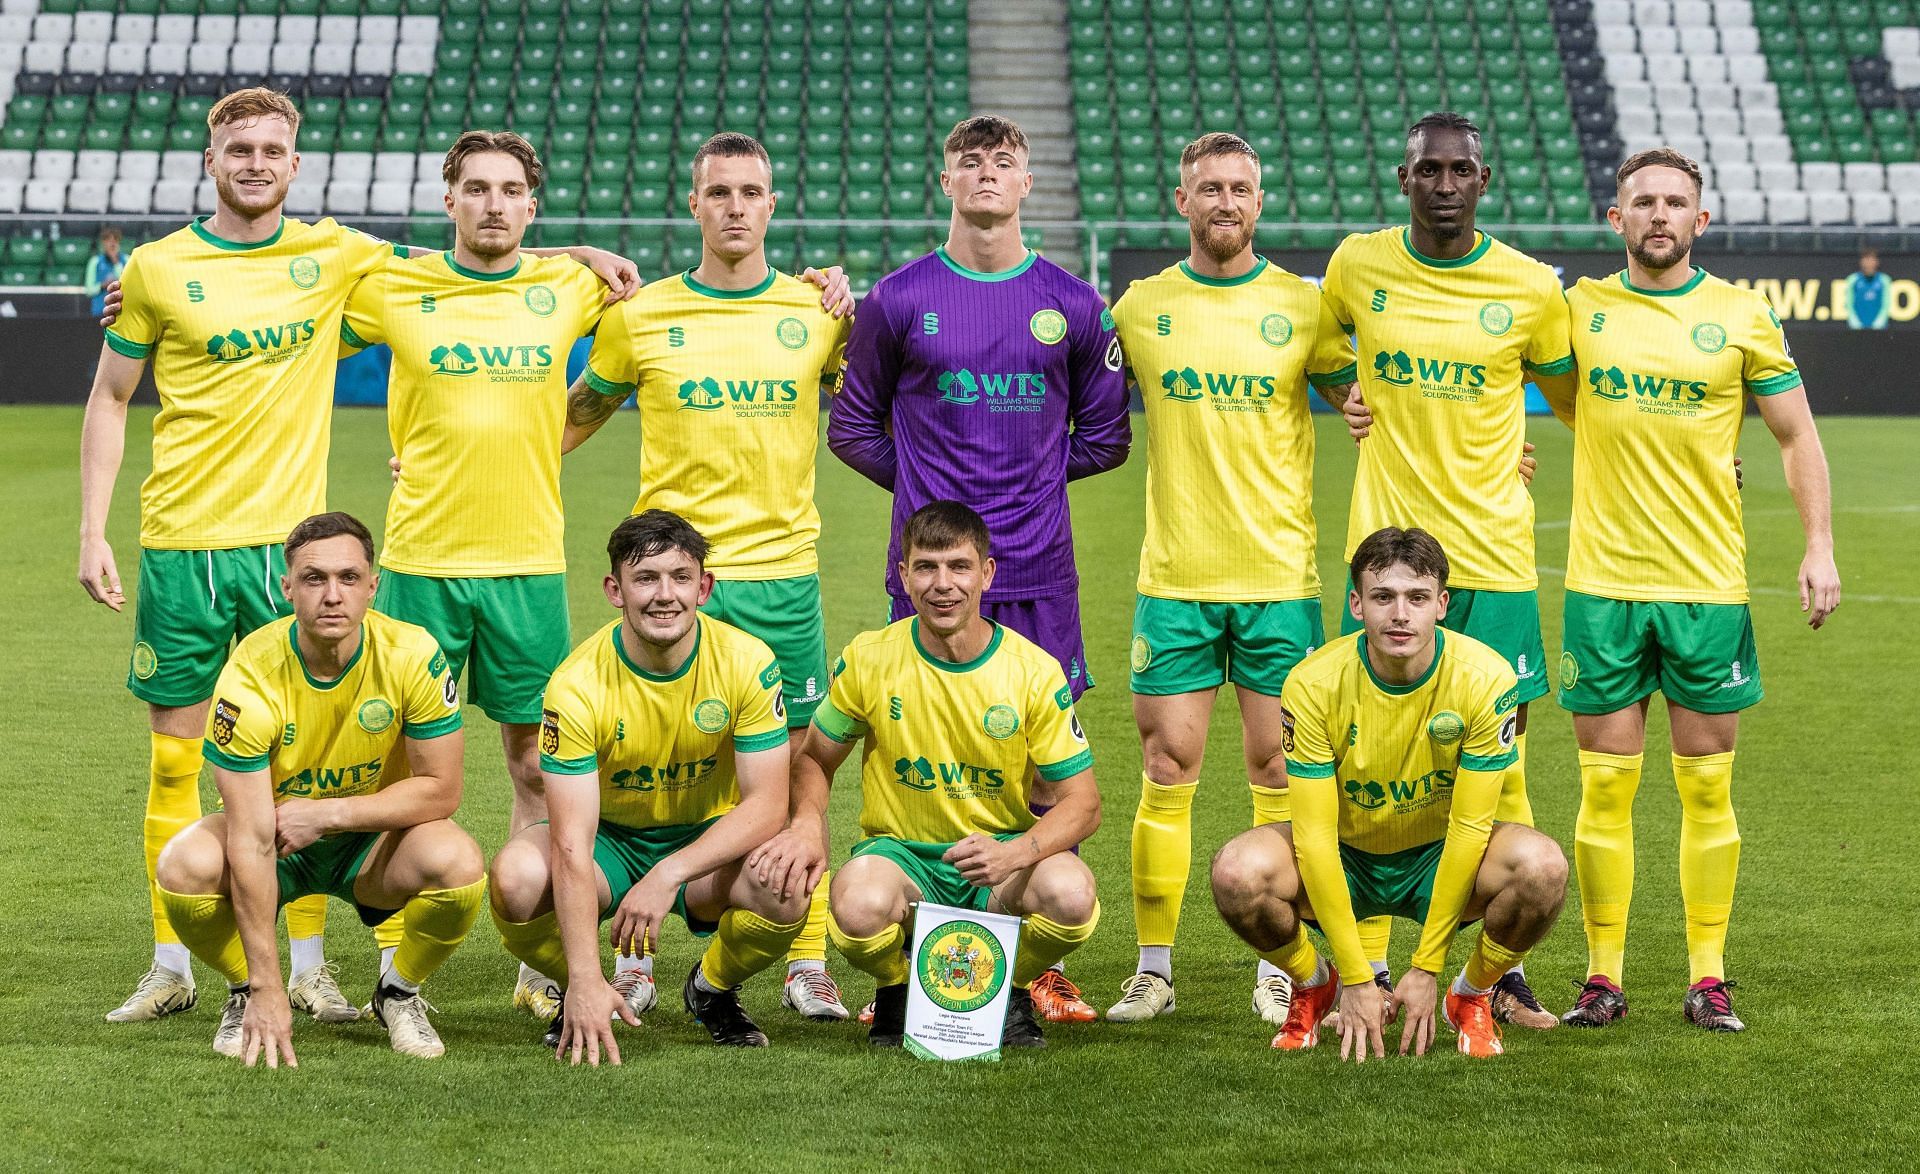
1762	120
353	166
413	57
1606	12
1735	176
87	195
215	29
140	165
291	57
1672	92
53	165
131	195
1787	208
297	30
45	57
1739	40
1743	68
1757	95
1825	208
1722	121
373	57
1767	147
393	167
250	57
93	26
1665	66
1873	208
1820	177
206	198
1692	146
174	196
1863	177
187	165
12	193
1635	125
1714	96
1733	13
427	166
1623	69
346	198
429	195
391	199
127	57
1618	38
1776	175
1700	39
1903	177
1710	200
255	30
415	29
45	195
87	57
338	30
165	57
1634	98
11	55
134	27
331	57
1707	67
1692	13
1743	208
316	168
379	30
207	58
16	164
173	29
95	164
15	29
53	27
1678	120
1906	209
306	200
1646	12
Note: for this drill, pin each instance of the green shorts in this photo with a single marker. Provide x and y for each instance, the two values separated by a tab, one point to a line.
193	605
330	865
1185	647
1617	652
938	881
1506	621
626	854
510	633
786	614
1394	884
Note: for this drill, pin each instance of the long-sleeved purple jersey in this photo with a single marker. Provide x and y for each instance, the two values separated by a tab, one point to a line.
993	389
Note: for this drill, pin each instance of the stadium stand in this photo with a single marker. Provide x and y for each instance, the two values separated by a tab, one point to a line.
105	107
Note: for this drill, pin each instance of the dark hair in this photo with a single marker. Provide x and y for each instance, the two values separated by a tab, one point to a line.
1416	550
642	536
1443	120
943	525
1214	143
984	132
1658	157
730	144
331	525
480	142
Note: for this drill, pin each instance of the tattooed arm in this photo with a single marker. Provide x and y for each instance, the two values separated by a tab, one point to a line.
587	409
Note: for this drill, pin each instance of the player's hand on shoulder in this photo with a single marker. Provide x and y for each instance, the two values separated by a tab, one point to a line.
393	467
836	292
1819	587
586	1022
792	861
1358	415
1413	1002
621	276
1362	1020
298	823
98	575
267	1027
110	308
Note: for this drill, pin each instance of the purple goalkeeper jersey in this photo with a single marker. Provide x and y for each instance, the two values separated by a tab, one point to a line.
992	389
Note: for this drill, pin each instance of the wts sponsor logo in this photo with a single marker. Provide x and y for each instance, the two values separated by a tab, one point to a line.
1000	389
272	342
1614	384
1404	370
1188	384
324	780
711	394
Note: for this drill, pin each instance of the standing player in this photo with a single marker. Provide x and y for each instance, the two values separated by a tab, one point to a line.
958	714
664	747
1656	563
1449	323
984	373
239	312
1397	740
730	361
304	735
1224	347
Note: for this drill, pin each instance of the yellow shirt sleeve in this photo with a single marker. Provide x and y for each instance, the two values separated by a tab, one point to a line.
137	330
1333	291
1550	348
1332	362
365	254
1056	743
567	742
612	368
760	721
837	356
592	298
843	715
1767	366
1486	752
432	703
1306	742
242	727
364	323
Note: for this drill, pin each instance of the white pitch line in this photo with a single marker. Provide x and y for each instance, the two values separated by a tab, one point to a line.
1909	508
1845	596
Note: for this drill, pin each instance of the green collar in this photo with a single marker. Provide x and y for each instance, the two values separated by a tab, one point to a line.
948	666
1439	649
1699	275
706	290
475	274
621	650
1259	267
1479	250
200	230
975	275
293	640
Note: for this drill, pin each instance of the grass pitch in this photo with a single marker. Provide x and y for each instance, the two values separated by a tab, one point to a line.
1824	1078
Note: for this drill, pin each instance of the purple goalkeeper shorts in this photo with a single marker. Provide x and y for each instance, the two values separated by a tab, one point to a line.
1053	624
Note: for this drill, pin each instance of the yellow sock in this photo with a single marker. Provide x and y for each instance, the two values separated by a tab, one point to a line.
811	945
1488	961
1297	957
1162	858
307	917
1375	934
879	955
1709	858
536	942
744	945
173	802
1271	805
1044	942
387	935
1514	805
1603	854
203	922
437	922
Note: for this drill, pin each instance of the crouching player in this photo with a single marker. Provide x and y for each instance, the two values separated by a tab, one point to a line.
1396	739
304	715
664	749
959	714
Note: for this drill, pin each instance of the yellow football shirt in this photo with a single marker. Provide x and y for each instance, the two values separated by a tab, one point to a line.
1444	348
329	739
242	342
663	746
729	384
949	747
1383	769
1656	512
476	404
1223	365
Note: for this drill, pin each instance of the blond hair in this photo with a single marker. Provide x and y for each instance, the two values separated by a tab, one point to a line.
254	102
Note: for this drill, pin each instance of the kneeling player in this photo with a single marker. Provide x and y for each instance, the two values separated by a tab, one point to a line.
958	713
1396	739
664	749
305	714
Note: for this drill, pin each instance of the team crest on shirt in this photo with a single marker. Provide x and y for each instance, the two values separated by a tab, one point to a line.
1496	318
1276	330
305	272
1142	654
145	663
225	714
1048	326
792	333
711	715
962	967
541	301
376	715
1446	728
1001	722
1710	338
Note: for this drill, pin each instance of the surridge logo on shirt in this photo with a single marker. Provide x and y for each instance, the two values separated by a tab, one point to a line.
710	394
1404	370
1187	384
1014	391
1615	384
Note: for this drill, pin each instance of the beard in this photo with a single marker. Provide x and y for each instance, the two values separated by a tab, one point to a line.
489	249
251	201
1223	245
1662	258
